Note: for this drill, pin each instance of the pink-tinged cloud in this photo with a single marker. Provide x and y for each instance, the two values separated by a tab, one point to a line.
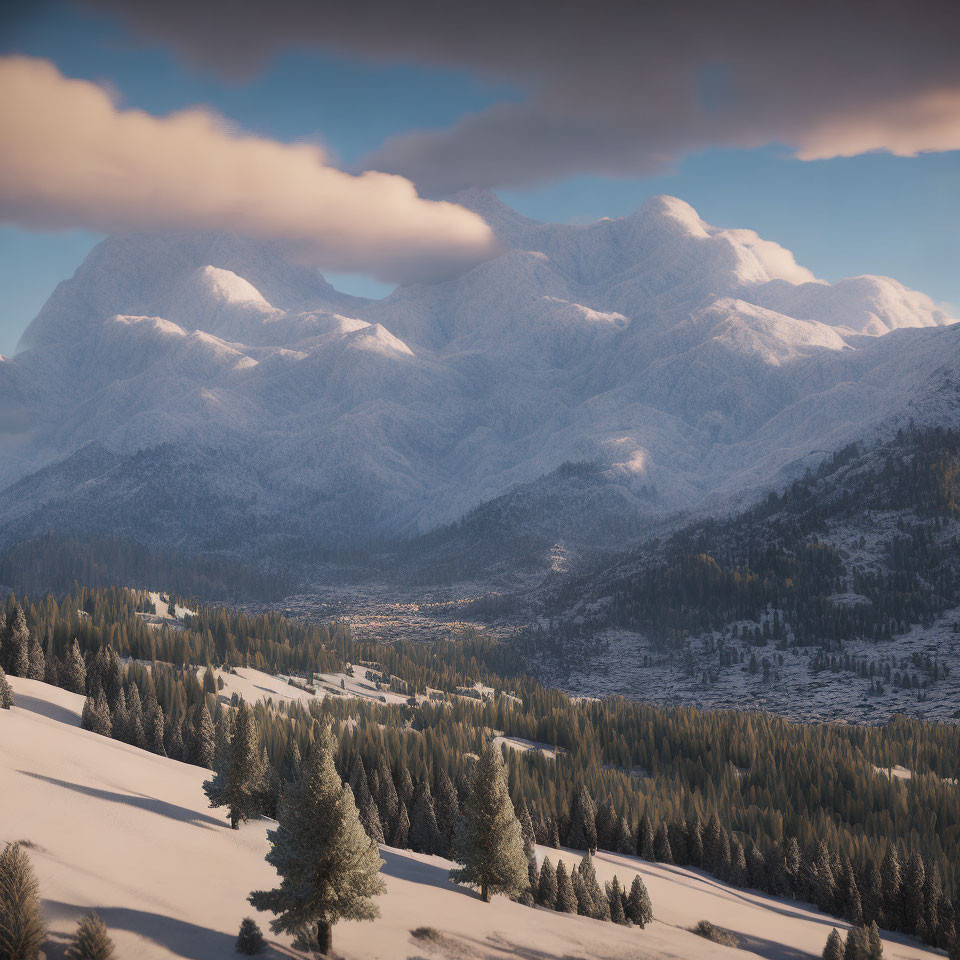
73	158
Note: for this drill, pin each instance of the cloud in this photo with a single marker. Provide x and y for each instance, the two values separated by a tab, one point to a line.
73	158
612	87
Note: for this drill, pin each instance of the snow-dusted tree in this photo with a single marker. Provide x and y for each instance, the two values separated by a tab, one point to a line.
566	898
447	806
22	929
173	739
240	783
857	946
153	727
547	887
490	843
585	906
645	839
874	943
639	908
38	662
834	946
74	676
249	939
848	902
624	842
6	692
912	893
203	738
588	873
16	643
401	828
370	818
424	835
91	941
329	867
583	821
388	803
529	844
404	784
695	841
661	846
615	899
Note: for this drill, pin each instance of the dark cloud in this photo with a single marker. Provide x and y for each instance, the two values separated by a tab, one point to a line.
614	87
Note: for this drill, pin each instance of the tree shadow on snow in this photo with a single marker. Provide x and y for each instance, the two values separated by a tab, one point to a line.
172	811
183	939
52	711
417	871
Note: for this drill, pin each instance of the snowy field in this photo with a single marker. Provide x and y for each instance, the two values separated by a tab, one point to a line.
129	833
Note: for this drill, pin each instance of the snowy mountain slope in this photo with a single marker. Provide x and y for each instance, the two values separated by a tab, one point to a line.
140	809
681	358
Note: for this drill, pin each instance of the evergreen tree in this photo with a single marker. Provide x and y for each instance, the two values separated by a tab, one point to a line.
529	843
606	825
38	663
240	784
448	811
249	939
22	929
424	835
848	895
566	900
490	843
329	867
6	692
388	803
547	889
695	841
583	822
153	727
661	846
639	908
173	741
615	900
834	948
401	828
645	839
600	907
890	877
404	785
817	878
74	671
16	643
624	839
737	875
585	906
370	818
874	943
756	868
872	894
856	946
91	941
204	738
912	898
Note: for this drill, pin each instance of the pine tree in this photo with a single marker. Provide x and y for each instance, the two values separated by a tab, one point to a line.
529	844
6	692
404	785
91	941
615	900
240	784
661	846
585	906
173	740
153	727
490	843
583	822
370	818
874	943
448	811
645	839
912	909
204	738
329	867
639	908
695	841
75	671
857	946
834	948
817	878
22	929
848	895
606	824
424	835
566	900
588	873
388	803
16	643
38	663
891	880
624	840
737	874
249	939
547	889
401	828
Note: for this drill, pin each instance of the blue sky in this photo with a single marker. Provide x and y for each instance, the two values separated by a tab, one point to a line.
873	213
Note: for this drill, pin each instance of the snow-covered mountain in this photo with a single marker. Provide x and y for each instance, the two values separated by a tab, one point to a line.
196	383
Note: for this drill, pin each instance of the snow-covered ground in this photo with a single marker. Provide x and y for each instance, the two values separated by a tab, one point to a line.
523	745
128	833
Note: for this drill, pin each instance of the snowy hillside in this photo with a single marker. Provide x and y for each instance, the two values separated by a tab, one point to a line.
235	392
170	878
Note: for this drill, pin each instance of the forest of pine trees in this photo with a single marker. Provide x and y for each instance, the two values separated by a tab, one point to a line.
789	808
